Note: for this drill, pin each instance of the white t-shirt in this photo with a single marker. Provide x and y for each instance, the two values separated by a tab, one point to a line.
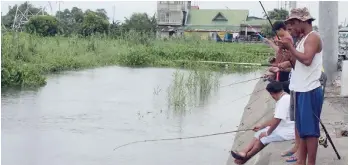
286	127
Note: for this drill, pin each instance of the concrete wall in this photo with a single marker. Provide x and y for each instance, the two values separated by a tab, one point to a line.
201	35
344	79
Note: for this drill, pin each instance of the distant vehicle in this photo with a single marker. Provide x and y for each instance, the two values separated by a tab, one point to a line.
342	46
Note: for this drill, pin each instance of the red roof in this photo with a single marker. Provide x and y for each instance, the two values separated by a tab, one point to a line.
194	7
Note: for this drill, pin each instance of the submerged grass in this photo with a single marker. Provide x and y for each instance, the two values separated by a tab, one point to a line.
27	58
191	89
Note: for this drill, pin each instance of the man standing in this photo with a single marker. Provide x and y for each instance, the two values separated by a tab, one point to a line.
305	83
281	55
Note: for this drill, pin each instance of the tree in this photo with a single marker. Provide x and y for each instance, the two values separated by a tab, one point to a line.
266	30
277	14
42	25
77	14
93	23
70	21
141	22
115	29
102	13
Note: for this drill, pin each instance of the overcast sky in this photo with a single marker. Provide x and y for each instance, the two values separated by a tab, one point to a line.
126	8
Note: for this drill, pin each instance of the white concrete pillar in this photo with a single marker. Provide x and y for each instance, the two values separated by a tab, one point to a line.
246	32
328	29
344	79
292	5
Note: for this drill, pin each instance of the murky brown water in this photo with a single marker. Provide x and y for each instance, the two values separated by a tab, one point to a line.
79	117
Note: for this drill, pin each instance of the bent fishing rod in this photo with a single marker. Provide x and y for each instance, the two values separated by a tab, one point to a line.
182	138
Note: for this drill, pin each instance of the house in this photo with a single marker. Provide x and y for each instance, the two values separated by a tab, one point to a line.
177	18
214	23
252	26
171	17
221	24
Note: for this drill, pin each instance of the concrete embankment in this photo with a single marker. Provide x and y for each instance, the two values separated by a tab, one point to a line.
261	108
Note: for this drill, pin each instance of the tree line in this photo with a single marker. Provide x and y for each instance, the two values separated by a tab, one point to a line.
75	21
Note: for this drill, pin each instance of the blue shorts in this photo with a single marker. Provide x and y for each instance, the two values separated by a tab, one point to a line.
308	104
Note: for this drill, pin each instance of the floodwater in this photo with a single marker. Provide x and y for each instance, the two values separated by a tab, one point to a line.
79	117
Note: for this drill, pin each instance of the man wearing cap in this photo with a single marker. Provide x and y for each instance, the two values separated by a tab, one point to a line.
305	83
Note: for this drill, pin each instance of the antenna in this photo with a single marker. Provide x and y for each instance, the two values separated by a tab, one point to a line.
22	17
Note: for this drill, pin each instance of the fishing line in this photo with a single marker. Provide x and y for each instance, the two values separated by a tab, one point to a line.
229	102
235	83
181	138
256	32
192	137
224	62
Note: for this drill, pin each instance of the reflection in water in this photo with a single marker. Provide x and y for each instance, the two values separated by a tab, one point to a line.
79	117
192	89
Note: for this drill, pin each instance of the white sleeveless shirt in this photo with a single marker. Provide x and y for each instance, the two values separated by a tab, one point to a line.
306	78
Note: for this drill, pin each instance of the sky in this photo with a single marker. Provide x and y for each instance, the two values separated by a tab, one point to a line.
126	8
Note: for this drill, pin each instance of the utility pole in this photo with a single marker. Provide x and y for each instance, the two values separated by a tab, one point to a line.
292	5
328	28
113	14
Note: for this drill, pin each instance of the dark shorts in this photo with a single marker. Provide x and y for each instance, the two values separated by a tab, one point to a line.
283	76
308	108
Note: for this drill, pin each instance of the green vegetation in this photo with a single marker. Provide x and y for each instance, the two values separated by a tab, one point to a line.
43	25
76	39
191	89
27	58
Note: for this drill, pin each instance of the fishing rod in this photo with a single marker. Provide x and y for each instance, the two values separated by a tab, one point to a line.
262	38
181	138
269	20
324	79
199	136
222	62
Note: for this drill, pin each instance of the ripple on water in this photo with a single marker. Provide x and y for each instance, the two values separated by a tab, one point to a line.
79	117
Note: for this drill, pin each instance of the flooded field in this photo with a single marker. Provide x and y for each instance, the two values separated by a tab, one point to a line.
78	118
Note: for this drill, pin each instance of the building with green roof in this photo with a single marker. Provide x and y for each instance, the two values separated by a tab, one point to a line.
207	22
215	20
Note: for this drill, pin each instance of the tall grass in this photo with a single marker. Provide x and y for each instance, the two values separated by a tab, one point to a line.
191	89
27	58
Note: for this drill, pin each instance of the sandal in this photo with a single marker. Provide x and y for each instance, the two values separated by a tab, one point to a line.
291	159
237	156
288	153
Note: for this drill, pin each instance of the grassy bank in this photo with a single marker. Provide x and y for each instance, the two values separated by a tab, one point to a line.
27	58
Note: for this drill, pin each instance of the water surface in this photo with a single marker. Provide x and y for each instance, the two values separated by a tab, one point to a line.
79	117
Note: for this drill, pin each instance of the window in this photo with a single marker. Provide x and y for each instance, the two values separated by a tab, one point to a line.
162	17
